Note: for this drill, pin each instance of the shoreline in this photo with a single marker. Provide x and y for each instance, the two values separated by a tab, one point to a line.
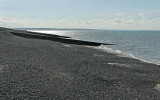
40	67
105	48
124	54
110	49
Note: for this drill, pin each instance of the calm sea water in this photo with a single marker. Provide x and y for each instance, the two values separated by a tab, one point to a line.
144	45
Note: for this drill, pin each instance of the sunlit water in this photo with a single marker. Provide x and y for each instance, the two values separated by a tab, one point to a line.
144	45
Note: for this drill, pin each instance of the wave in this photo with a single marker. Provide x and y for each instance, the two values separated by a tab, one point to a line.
123	54
132	53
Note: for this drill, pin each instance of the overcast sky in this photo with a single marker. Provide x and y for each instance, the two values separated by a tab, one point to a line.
92	14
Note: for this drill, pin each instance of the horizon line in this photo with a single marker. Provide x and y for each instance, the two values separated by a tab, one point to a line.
88	29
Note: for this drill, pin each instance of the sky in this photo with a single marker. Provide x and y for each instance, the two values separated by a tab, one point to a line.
84	14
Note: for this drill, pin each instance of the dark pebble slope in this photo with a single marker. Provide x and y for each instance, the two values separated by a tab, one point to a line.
44	69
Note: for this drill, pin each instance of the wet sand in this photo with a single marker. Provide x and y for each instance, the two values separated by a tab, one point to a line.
47	67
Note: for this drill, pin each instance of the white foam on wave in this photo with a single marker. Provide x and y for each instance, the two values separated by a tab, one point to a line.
119	52
123	54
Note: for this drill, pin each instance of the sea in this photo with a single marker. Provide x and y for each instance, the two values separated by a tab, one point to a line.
142	45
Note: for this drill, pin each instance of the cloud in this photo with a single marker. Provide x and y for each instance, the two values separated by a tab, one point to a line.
156	19
11	22
142	16
119	14
8	19
118	20
129	22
